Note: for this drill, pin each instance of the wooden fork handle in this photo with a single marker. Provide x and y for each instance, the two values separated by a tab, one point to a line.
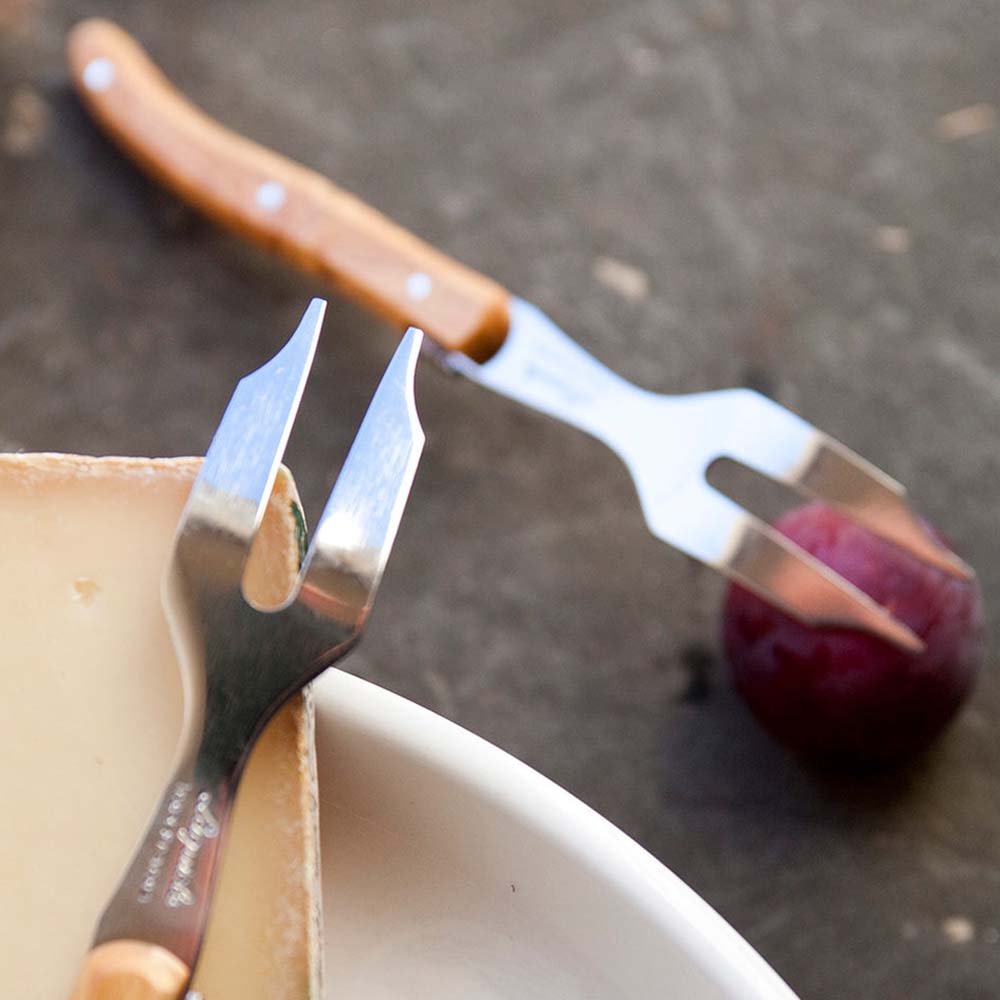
278	203
131	970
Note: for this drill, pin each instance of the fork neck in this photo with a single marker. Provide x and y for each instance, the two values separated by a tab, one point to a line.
541	367
166	893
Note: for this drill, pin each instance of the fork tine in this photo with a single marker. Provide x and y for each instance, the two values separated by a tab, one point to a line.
765	436
709	526
355	533
786	575
836	475
244	455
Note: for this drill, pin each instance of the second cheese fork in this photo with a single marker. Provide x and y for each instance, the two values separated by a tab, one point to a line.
508	345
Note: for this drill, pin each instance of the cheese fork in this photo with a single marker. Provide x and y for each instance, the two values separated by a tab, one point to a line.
240	663
511	347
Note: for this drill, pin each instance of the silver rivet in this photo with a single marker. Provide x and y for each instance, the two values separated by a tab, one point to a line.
99	74
419	286
271	195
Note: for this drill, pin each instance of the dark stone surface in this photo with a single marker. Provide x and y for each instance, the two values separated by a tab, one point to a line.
743	156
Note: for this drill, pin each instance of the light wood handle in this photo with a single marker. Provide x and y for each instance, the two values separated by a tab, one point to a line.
131	970
278	203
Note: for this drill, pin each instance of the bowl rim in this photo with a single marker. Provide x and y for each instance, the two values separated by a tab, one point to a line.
711	943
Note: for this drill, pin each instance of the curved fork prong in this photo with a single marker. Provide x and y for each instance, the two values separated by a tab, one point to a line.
355	533
786	575
758	433
830	472
237	476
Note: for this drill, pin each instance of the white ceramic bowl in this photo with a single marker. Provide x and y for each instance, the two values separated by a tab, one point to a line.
451	871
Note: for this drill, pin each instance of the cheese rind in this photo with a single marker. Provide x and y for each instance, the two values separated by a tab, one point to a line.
90	711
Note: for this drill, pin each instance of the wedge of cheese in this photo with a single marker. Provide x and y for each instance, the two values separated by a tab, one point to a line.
90	713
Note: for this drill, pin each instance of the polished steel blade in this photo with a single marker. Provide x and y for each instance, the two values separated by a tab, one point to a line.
243	458
355	533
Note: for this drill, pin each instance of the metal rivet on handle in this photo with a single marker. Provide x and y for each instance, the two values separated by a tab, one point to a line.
419	286
99	74
271	195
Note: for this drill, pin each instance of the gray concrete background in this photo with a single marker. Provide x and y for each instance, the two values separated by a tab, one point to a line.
792	214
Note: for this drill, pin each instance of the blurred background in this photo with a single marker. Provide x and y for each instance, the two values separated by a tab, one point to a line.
795	195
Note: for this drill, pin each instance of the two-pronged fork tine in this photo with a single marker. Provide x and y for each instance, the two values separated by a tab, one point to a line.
241	662
354	534
843	479
238	473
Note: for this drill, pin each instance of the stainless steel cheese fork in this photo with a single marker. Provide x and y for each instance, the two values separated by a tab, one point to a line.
240	663
502	342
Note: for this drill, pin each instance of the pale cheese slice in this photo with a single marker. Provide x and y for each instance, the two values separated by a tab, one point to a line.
90	712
